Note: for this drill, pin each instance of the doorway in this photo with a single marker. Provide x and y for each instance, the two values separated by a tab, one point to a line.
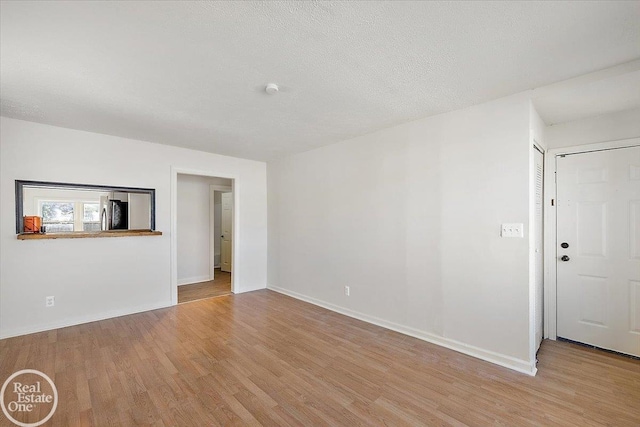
196	249
596	246
221	248
219	286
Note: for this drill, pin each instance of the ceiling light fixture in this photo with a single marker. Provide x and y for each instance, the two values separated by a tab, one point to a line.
271	88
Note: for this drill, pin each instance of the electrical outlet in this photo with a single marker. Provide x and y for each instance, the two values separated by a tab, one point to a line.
50	301
347	290
512	230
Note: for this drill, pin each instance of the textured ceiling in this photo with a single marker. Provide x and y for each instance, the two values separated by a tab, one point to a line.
192	73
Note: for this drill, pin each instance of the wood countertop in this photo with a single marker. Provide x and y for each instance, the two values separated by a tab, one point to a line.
88	234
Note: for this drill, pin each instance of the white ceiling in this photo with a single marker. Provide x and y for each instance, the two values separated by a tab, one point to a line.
612	90
192	73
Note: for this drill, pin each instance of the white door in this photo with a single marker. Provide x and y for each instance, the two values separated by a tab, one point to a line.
539	232
226	243
598	238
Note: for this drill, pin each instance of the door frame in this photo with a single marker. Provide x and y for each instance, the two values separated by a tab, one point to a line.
535	146
550	225
235	277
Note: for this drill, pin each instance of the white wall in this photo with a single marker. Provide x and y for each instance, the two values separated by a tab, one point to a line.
605	128
99	278
409	218
193	229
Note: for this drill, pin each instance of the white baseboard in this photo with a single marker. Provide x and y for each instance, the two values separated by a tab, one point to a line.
192	280
477	352
80	320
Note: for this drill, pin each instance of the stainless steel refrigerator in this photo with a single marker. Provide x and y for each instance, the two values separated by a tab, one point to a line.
113	214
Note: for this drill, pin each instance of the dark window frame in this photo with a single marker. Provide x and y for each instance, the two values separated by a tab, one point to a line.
20	184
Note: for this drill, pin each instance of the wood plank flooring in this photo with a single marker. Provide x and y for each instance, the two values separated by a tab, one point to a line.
220	285
262	358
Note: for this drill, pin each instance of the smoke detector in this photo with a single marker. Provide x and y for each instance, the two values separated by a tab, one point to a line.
271	88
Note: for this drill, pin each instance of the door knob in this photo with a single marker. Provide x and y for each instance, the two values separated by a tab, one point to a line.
565	245
565	258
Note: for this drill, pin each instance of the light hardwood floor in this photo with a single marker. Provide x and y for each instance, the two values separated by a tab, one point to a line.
264	358
220	285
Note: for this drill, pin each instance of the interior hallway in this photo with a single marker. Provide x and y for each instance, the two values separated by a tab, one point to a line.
220	285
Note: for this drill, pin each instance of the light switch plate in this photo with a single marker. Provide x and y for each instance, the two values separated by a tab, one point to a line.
512	230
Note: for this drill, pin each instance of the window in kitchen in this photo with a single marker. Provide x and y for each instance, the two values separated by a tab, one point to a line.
57	216
91	218
67	216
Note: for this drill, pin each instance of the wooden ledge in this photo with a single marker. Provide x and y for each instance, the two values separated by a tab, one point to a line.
88	234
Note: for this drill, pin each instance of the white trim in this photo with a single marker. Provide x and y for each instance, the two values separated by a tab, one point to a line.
193	280
235	273
550	225
586	148
519	365
42	327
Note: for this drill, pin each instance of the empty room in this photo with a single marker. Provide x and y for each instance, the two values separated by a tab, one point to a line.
319	213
